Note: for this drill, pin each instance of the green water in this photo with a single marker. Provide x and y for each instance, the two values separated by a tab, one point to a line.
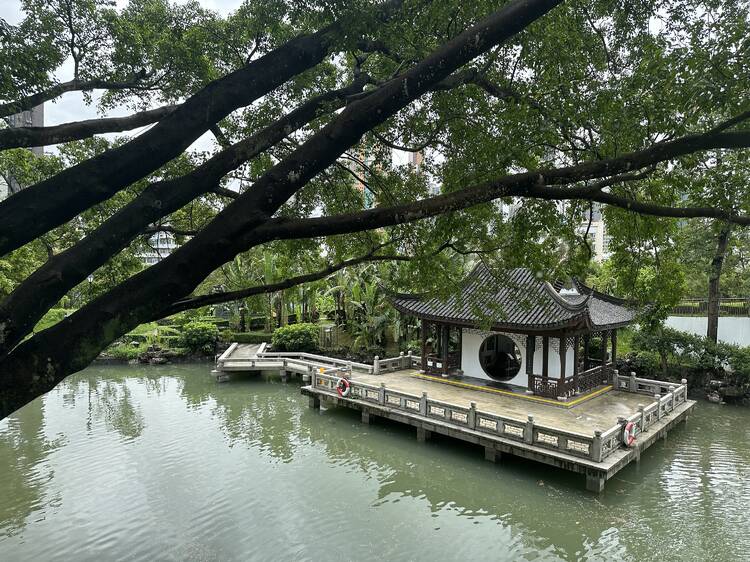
134	463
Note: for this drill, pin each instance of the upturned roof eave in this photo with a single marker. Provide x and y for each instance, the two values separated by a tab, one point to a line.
572	323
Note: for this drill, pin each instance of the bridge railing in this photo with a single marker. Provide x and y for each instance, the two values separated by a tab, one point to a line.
400	363
316	360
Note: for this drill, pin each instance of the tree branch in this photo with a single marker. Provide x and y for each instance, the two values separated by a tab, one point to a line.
215	298
170	229
28	302
540	184
44	136
75	342
51	93
50	203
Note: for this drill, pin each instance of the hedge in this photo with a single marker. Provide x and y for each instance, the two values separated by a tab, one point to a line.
296	337
247	337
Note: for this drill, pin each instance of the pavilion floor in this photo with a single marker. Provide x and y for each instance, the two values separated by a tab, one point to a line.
598	412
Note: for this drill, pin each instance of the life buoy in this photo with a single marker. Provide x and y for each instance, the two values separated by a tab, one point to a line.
628	434
343	387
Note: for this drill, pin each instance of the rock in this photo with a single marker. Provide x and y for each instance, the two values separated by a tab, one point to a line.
714	397
159	361
733	391
134	343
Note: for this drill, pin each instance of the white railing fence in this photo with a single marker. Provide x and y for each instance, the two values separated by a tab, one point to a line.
596	447
527	431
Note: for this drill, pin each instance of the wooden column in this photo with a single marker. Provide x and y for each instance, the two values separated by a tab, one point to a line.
613	337
545	356
530	349
459	351
562	388
576	343
424	345
445	333
605	337
586	340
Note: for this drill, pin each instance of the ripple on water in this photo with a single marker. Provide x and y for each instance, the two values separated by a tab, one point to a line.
146	464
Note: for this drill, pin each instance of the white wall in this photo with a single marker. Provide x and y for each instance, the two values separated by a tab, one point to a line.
732	329
472	341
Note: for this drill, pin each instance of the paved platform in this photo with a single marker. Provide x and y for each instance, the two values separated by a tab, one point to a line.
599	412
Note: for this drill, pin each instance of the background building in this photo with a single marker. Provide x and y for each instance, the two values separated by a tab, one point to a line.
33	117
595	231
161	245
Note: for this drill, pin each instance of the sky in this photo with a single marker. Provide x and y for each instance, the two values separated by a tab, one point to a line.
70	106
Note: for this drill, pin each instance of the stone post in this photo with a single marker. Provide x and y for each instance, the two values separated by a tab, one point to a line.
671	392
616	379
643	417
633	383
471	417
528	430
595	481
376	365
422	434
381	398
596	447
410	361
490	453
657	397
423	404
623	422
401	363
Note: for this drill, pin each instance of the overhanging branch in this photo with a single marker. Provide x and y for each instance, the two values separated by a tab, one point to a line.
227	296
43	136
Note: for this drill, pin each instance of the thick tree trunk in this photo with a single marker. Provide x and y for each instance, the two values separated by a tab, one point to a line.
22	309
39	363
714	279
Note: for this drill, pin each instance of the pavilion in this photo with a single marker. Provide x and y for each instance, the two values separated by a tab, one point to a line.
516	328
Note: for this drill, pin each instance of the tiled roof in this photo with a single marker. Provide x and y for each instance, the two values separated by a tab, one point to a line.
517	299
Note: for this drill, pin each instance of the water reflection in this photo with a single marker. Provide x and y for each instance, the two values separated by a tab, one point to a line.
181	466
24	450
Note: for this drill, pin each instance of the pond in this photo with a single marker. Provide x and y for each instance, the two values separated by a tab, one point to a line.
143	463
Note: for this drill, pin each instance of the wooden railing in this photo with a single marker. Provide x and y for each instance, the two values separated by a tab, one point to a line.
437	365
591	378
550	387
546	386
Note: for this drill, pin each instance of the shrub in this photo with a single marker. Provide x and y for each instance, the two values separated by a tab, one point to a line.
247	337
199	337
667	353
125	352
296	337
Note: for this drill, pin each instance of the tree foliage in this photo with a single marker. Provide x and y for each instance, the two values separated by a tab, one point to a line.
524	115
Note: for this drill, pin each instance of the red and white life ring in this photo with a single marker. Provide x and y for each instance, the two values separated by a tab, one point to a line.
628	434
343	387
